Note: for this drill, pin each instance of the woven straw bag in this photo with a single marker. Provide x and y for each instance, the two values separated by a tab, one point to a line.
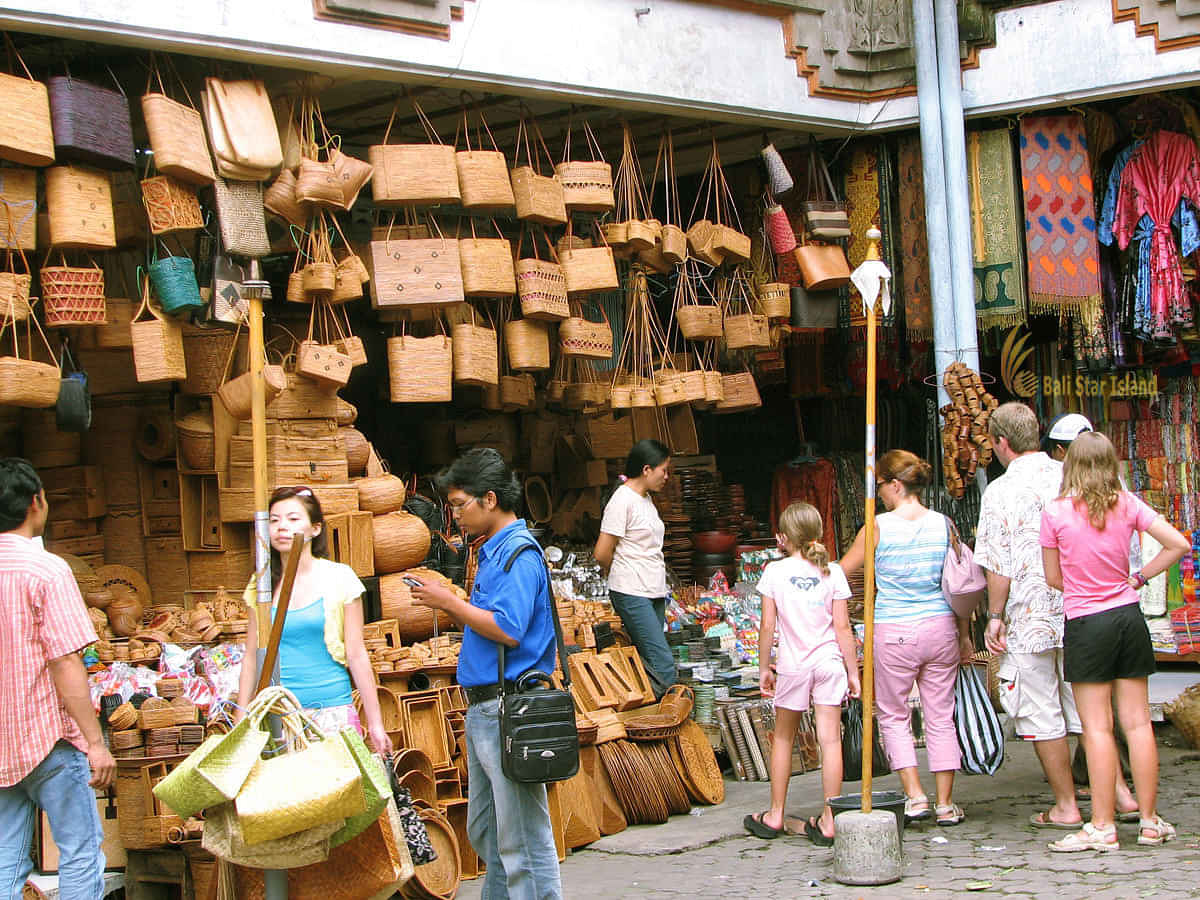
587	184
423	272
414	174
746	331
778	176
824	214
73	295
18	207
589	269
177	137
24	382
323	363
352	175
235	394
517	392
242	129
714	387
700	238
483	178
207	349
700	323
174	282
476	355
91	123
241	217
80	204
157	343
541	285
487	265
420	370
538	197
171	205
668	388
14	285
527	345
317	183
583	338
775	300
223	837
741	393
26	135
280	200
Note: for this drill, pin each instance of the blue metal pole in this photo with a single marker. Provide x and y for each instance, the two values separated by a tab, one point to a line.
937	230
958	203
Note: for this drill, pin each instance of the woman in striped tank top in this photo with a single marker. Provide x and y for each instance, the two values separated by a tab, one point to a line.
918	639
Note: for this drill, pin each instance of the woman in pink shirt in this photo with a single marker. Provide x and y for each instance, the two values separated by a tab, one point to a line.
1106	646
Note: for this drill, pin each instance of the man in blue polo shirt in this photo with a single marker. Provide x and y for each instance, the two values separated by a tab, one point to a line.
508	822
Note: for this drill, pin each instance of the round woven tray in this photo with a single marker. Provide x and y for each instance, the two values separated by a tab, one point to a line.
117	579
439	878
697	764
651	727
658	758
1184	713
634	783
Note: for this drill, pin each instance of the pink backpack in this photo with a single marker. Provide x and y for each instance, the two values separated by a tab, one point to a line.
964	583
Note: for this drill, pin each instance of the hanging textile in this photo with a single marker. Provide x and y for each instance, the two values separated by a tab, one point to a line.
995	230
868	182
1101	137
813	481
914	243
1164	170
1060	215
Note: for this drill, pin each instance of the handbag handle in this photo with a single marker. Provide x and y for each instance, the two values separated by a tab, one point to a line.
816	165
953	540
558	634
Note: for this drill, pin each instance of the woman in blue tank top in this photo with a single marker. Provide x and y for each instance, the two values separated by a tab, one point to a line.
918	639
321	649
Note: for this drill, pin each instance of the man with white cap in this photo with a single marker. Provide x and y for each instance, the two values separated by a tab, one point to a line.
1062	432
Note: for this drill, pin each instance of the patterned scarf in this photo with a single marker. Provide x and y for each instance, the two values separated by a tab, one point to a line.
995	230
918	300
1060	215
868	184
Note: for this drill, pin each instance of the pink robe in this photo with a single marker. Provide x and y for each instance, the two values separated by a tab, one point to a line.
1165	168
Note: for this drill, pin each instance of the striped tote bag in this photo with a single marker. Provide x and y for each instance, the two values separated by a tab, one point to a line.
980	737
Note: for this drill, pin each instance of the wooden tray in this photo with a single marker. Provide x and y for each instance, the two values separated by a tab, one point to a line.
425	725
455	812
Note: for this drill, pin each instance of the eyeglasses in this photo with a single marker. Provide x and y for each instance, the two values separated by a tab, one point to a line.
457	508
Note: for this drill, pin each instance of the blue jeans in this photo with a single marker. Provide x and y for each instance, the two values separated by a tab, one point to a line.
508	823
644	618
59	785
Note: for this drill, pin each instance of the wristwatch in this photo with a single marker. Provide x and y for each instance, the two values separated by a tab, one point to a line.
1139	578
991	615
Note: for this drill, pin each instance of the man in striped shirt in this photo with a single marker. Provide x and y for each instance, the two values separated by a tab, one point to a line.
52	752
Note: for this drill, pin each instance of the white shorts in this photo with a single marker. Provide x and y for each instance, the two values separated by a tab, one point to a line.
825	684
1033	692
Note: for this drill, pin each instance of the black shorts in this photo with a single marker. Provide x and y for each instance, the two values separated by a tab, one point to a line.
1108	645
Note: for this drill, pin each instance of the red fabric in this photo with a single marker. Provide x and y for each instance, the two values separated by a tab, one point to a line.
42	617
1164	169
813	482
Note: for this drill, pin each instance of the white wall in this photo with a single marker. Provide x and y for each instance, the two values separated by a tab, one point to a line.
687	57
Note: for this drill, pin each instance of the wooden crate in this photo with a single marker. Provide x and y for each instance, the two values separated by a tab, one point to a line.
351	541
74	492
200	513
158	487
303	399
158	875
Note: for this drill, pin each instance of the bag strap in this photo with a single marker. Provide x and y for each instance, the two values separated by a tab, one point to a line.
952	536
558	635
817	166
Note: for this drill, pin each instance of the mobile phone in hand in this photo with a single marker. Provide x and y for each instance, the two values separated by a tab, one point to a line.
411	582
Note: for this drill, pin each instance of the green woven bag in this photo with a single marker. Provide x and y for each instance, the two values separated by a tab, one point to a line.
214	772
377	789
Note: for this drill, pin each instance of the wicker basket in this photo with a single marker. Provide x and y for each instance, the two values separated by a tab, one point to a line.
401	541
206	351
517	392
775	300
674	244
587	186
380	494
414	174
170	205
420	369
483	181
235	394
157	344
30	384
542	286
317	183
419	272
80	205
280	200
1184	713
590	269
487	266
668	389
26	136
73	295
476	359
527	345
700	323
14	297
538	198
177	138
583	338
714	387
197	445
741	393
747	331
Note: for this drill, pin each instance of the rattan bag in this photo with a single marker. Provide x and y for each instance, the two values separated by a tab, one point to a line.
487	265
157	343
26	136
420	369
414	174
80	204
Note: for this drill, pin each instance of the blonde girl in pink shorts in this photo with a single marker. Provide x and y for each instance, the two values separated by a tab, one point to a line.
815	664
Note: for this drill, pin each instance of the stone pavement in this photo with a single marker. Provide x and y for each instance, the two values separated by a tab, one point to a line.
994	853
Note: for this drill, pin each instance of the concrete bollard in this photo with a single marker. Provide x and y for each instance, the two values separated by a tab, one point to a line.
866	848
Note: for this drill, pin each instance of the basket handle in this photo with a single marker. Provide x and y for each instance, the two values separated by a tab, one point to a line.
12	52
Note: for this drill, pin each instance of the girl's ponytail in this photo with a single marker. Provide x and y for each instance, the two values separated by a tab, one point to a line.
815	553
801	525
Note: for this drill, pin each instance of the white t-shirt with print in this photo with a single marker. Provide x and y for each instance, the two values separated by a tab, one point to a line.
804	610
638	567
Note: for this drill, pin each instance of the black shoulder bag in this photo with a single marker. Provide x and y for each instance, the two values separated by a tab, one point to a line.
538	739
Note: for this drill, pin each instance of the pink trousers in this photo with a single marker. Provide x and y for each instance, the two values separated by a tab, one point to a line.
924	652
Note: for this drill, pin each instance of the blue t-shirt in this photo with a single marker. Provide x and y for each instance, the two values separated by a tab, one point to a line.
520	601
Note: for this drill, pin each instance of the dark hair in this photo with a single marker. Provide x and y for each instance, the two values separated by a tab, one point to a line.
19	484
479	471
646	452
320	544
907	468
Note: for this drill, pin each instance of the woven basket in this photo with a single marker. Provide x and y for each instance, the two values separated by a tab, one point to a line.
700	323
487	267
235	394
542	287
668	389
129	211
14	297
746	331
26	136
476	359
196	442
1184	713
177	138
171	205
358	451
714	387
174	282
538	198
590	269
413	174
317	183
674	244
775	300
416	273
483	181
621	396
30	384
73	295
700	237
583	338
242	219
642	234
352	175
91	123
586	186
420	369
206	350
347	281
80	205
400	540
741	393
730	242
517	392
692	385
527	345
157	344
280	200
18	208
323	364
379	494
319	278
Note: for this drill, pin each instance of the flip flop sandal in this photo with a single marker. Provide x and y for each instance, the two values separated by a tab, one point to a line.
757	827
1042	820
814	833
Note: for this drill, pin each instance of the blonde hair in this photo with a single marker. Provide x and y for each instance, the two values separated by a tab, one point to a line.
1016	423
907	468
1090	476
801	525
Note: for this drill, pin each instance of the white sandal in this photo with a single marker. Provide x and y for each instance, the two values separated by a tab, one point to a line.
1088	838
911	813
1163	831
948	816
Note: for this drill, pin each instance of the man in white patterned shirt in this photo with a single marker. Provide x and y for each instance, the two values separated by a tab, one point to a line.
1025	615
